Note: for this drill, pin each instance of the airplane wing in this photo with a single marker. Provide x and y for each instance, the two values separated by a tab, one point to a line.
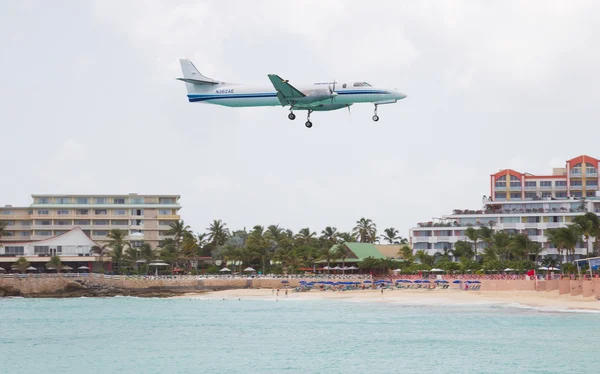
286	93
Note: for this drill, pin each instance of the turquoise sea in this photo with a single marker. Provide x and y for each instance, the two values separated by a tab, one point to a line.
134	335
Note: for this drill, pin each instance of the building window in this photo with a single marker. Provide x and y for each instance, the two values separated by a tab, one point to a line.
41	250
561	194
166	200
45	223
515	196
546	194
530	195
576	194
136	233
101	212
560	183
591	182
26	223
101	222
515	184
530	184
100	200
119	222
82	222
100	233
82	212
44	233
137	200
119	212
43	212
6	212
136	222
14	250
500	195
591	170
24	233
63	223
576	183
8	233
118	201
164	212
137	212
62	200
545	183
56	233
590	194
82	200
62	212
9	223
137	243
43	200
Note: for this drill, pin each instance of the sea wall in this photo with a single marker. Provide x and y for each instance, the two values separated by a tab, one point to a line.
507	285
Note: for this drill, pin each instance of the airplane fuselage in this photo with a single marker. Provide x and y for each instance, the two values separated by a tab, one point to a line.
318	96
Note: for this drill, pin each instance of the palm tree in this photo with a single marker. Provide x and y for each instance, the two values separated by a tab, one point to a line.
519	246
346	237
177	230
462	249
218	232
424	258
117	244
328	255
55	263
259	245
563	238
330	236
473	235
588	225
22	264
390	235
305	237
406	253
365	230
500	242
101	251
341	252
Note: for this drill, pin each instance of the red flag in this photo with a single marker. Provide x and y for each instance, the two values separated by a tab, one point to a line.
531	273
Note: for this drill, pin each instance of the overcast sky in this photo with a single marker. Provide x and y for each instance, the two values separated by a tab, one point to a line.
89	104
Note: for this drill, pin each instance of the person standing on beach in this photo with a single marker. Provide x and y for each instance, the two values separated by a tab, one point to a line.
286	292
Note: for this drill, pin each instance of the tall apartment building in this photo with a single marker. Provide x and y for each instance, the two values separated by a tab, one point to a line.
521	203
145	218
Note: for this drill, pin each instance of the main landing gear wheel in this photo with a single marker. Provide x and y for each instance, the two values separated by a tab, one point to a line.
375	116
308	124
292	116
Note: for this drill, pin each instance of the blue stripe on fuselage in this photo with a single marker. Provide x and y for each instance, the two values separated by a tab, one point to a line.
205	97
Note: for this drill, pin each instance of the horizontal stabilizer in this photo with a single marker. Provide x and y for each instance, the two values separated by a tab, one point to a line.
197	81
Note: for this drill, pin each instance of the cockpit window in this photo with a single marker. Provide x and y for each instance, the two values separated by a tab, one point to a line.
361	84
366	84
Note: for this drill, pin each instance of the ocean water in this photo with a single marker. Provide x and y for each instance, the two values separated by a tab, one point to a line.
136	335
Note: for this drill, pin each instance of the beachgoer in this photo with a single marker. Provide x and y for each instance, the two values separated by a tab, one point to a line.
382	290
286	292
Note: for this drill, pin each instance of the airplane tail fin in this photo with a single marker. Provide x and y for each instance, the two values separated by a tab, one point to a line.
194	81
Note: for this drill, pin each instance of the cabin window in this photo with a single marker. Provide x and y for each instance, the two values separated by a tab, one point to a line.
344	85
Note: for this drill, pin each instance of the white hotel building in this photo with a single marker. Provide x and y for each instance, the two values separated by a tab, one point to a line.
521	203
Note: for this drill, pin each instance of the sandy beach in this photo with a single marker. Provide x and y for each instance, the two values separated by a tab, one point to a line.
544	300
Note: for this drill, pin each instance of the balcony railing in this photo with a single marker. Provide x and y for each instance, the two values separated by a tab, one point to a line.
576	187
503	188
591	188
530	188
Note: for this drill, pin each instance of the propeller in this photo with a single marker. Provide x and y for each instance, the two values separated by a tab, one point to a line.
332	91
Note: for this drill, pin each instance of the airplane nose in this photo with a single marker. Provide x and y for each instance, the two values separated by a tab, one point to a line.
400	95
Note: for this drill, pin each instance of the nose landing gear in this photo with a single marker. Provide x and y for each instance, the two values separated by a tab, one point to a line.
375	116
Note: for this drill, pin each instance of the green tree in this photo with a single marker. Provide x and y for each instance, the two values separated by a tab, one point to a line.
346	237
305	237
260	245
406	253
365	230
588	225
22	264
329	236
424	258
341	252
390	235
563	238
101	251
473	236
55	263
117	245
463	249
501	242
218	232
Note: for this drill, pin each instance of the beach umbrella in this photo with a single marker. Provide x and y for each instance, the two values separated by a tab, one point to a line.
456	281
2	269
553	269
368	281
249	269
542	268
224	269
31	268
352	268
326	268
156	264
435	270
337	268
67	267
83	268
441	281
285	281
397	270
509	269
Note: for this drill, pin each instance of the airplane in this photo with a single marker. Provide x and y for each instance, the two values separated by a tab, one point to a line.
323	96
